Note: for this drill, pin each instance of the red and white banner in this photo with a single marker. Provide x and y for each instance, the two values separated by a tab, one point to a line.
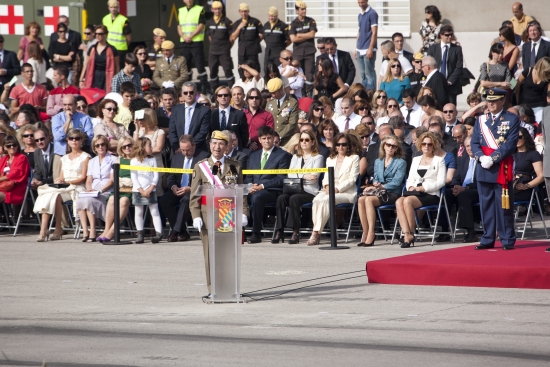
12	21
51	17
127	8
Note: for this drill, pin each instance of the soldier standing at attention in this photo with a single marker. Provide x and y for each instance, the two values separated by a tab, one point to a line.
250	32
191	30
302	34
275	36
120	34
219	30
154	51
284	109
202	175
170	70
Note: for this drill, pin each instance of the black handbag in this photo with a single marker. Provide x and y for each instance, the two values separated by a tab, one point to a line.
293	186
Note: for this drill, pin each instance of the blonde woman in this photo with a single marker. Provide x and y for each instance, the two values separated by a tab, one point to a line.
394	83
25	135
379	102
148	128
292	144
112	130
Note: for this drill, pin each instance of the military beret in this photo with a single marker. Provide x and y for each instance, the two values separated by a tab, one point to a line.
494	94
244	7
217	134
159	32
300	4
167	45
217	5
273	11
274	85
418	56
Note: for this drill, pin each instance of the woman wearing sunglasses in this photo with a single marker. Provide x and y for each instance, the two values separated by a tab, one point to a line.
144	70
103	63
394	82
426	178
379	103
113	131
124	151
25	135
99	182
430	27
74	167
14	172
315	115
61	51
345	161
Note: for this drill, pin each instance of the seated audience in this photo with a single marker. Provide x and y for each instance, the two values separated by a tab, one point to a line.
113	131
43	159
26	138
348	119
328	130
232	150
14	172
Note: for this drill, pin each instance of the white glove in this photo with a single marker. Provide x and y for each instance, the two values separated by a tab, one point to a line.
168	84
245	220
486	161
197	223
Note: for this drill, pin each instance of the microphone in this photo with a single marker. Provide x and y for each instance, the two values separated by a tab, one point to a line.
215	170
233	169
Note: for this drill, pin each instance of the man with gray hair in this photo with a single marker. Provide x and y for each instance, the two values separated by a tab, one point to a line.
519	111
435	80
189	118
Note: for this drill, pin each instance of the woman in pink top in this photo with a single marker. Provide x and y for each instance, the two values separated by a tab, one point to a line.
32	33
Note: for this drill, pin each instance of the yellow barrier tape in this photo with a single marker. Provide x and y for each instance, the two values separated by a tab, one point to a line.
282	171
155	169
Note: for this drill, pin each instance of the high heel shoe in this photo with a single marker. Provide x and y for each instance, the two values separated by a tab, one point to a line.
410	243
43	238
314	239
56	237
295	238
279	236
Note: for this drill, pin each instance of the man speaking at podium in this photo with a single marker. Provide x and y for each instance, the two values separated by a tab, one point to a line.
214	171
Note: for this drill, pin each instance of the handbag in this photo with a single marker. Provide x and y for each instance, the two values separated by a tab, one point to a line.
125	184
293	186
381	194
7	186
481	89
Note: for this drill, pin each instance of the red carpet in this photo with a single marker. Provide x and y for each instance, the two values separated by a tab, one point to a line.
528	266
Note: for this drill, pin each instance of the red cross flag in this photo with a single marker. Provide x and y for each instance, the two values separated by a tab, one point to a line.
12	20
127	7
51	15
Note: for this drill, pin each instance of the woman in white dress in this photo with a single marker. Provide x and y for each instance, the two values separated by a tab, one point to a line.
148	128
74	166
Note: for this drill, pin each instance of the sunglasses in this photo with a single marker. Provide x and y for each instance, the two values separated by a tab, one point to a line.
379	97
393	106
110	109
391	146
307	140
223	95
39	140
28	136
286	58
417	61
361	108
427	144
141	53
520	137
318	109
100	145
127	146
320	48
74	138
341	144
364	137
449	111
254	97
99	34
81	107
395	66
9	146
205	104
369	123
88	33
186	93
448	34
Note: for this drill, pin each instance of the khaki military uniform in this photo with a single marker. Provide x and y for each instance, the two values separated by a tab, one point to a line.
198	211
285	117
176	71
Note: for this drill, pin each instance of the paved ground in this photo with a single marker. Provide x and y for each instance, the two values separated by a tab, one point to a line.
75	304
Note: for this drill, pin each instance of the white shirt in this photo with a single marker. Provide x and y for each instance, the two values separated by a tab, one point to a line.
450	126
354	120
268	154
429	76
405	65
169	60
226	115
280	104
416	115
222	160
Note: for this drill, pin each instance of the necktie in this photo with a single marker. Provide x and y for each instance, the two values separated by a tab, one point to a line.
346	126
409	116
470	174
46	163
460	151
278	103
334	64
1	57
187	119
444	61
223	124
185	176
449	128
533	56
264	159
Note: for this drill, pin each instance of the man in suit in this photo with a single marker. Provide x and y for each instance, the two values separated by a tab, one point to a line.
9	65
170	70
74	37
189	118
231	152
202	174
236	145
398	41
226	117
435	80
180	188
450	112
546	136
449	61
536	48
464	192
436	125
341	61
284	110
265	188
493	142
459	135
43	159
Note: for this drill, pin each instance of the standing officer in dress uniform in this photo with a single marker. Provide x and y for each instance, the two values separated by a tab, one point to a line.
275	36
302	34
154	51
493	143
250	32
170	70
284	109
120	34
191	30
202	176
219	30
